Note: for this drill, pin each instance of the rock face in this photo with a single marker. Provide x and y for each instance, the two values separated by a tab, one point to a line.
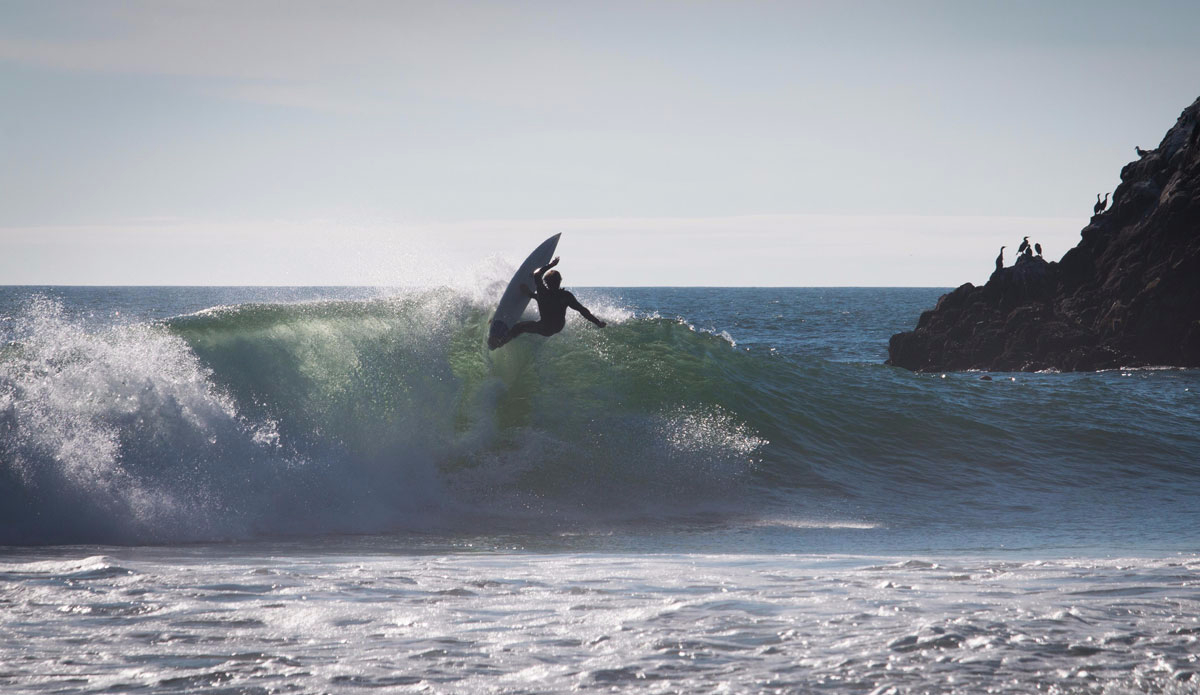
1127	295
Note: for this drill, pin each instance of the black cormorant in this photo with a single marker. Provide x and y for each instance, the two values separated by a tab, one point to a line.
1100	204
1038	248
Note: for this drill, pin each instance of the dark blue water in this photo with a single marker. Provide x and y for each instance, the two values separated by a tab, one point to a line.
707	419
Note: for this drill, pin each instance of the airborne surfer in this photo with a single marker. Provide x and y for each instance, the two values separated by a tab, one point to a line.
552	301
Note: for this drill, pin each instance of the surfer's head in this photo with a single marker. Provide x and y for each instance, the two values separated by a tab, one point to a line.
553	279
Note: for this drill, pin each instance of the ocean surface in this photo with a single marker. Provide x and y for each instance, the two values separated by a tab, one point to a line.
341	490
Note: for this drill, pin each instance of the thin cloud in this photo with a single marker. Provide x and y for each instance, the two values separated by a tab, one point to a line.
751	250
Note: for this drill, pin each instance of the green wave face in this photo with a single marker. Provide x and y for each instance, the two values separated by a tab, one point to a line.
641	416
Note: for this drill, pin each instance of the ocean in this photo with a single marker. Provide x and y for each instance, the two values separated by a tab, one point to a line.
341	490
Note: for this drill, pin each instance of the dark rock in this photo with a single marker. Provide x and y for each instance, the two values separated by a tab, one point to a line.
1127	295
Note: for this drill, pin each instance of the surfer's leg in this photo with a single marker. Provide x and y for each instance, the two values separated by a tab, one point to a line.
531	327
522	327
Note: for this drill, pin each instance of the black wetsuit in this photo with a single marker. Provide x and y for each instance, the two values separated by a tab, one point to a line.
552	310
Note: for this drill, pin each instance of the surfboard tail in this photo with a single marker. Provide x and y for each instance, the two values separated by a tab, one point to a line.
497	334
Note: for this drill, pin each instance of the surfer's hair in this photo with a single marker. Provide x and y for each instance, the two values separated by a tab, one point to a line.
553	279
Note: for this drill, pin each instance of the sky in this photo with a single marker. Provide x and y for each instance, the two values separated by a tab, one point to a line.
672	143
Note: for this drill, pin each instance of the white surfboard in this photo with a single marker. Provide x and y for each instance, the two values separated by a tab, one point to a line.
514	301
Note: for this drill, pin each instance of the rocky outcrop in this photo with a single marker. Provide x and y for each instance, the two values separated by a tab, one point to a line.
1127	295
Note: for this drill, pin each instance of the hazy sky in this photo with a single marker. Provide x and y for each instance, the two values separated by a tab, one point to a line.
685	143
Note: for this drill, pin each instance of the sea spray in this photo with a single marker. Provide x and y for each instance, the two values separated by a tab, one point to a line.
107	435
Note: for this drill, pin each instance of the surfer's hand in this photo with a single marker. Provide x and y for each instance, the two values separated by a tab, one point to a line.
552	263
601	324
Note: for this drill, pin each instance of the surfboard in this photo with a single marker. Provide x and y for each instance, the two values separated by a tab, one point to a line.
513	302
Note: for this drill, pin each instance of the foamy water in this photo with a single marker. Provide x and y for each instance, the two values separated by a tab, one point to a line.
314	618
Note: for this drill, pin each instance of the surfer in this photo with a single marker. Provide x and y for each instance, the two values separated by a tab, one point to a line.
552	301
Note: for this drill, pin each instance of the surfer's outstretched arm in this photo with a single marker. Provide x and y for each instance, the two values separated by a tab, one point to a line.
574	304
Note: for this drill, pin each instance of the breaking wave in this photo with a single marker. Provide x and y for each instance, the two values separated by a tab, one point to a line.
358	416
